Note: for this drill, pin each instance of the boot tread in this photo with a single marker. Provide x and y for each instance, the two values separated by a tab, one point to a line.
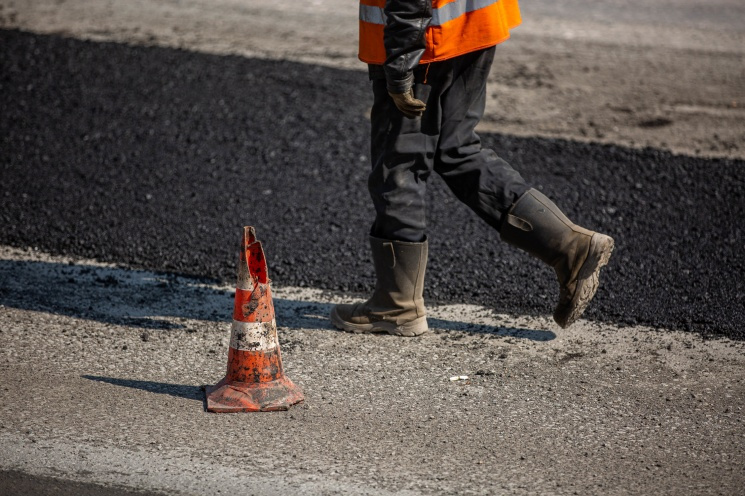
588	279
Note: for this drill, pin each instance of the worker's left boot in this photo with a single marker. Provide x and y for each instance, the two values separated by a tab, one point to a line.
396	306
535	224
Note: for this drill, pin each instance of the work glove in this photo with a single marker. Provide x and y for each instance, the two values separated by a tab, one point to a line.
408	105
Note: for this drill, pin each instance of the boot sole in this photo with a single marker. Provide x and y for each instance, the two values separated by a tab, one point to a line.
588	279
410	329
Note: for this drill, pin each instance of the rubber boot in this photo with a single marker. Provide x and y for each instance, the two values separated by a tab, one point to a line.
397	305
535	224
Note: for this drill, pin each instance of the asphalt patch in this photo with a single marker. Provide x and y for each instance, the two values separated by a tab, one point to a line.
157	157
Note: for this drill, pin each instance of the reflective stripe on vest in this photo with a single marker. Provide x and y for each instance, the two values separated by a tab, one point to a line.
457	27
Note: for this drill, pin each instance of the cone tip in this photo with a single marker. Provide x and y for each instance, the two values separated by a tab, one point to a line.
249	235
252	268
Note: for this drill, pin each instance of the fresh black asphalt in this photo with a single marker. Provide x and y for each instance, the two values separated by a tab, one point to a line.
157	157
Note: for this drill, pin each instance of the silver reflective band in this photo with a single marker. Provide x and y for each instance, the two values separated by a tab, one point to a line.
456	9
373	15
446	13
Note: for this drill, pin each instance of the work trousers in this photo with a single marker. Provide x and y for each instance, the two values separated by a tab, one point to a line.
406	151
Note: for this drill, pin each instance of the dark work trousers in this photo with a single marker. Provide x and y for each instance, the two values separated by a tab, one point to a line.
406	151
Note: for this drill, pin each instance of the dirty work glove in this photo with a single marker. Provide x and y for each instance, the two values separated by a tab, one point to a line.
407	104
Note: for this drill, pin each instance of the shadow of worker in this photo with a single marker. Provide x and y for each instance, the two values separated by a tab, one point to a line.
314	315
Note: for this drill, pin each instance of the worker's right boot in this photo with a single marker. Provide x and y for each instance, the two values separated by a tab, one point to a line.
535	224
396	306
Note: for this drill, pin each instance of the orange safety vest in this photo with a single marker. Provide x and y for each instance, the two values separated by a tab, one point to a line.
457	27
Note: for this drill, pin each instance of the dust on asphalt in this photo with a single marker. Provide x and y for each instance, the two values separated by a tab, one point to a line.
157	157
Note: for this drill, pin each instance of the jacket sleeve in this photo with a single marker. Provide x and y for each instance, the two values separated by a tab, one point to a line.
403	37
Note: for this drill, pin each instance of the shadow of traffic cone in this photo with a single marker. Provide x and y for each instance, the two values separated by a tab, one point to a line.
255	381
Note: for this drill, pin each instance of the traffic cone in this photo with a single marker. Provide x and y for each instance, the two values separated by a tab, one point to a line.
255	381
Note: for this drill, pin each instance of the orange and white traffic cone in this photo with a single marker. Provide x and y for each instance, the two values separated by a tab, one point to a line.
255	381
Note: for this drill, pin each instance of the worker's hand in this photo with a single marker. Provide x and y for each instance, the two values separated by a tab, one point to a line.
407	104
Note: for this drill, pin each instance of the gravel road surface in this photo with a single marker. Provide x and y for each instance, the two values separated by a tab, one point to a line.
102	370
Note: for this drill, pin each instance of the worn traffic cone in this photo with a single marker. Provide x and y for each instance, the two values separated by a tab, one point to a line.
255	381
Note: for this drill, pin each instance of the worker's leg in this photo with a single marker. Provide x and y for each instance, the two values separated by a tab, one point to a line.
476	175
525	217
402	158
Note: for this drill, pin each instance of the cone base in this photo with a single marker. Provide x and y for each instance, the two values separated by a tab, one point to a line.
230	397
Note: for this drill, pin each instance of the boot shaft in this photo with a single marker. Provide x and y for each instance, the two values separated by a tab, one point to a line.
399	271
536	225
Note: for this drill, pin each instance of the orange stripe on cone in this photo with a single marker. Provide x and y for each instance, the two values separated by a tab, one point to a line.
254	306
254	366
255	379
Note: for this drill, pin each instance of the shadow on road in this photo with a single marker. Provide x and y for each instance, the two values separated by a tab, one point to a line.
143	299
178	390
314	315
18	483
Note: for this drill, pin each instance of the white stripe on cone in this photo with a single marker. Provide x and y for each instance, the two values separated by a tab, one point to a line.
254	336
